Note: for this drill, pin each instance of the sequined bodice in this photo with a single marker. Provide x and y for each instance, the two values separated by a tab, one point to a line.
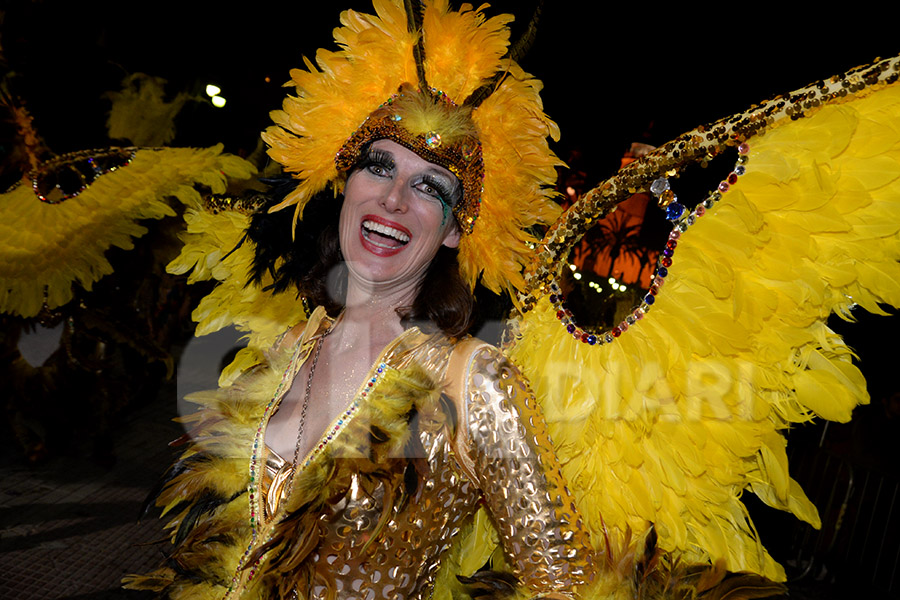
408	552
366	552
403	561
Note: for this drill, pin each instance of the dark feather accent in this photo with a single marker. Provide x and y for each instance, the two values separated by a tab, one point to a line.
658	576
205	504
271	234
195	432
414	19
522	45
179	467
301	258
180	440
377	435
183	573
290	552
490	585
236	246
221	538
482	93
410	481
417	467
647	562
157	581
515	52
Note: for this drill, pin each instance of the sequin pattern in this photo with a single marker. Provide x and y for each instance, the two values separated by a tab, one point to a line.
539	525
403	561
520	477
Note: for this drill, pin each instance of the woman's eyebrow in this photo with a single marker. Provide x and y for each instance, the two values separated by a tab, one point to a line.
452	183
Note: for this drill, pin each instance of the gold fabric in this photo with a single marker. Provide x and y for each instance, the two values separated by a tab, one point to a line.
276	475
502	434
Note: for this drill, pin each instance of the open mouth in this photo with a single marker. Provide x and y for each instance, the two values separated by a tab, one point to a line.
384	236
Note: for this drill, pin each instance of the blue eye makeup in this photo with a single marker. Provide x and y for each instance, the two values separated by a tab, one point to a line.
441	192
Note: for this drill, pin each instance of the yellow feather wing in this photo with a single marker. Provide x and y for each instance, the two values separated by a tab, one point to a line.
674	420
46	248
215	250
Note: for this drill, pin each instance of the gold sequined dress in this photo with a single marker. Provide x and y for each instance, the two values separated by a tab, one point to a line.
436	432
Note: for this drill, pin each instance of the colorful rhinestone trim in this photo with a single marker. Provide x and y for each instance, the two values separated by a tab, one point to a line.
696	146
681	220
331	433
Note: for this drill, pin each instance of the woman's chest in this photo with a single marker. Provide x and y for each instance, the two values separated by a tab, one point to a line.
322	389
390	493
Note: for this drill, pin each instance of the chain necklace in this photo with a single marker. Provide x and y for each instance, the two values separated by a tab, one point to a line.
256	510
306	394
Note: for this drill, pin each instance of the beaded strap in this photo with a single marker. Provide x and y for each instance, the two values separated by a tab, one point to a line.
258	442
681	220
696	146
65	177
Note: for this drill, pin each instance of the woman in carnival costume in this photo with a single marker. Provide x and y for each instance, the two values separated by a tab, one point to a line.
347	462
374	450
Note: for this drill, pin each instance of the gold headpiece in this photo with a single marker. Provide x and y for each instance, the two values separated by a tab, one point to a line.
497	146
435	128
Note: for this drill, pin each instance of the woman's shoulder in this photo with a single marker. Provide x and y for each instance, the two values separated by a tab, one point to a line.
476	364
476	356
467	350
318	320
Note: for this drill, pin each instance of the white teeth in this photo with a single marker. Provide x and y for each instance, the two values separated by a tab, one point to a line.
385	230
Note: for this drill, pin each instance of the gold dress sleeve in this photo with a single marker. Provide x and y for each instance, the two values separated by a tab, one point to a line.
511	457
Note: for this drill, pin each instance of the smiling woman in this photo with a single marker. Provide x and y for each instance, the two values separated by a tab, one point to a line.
396	206
392	225
360	456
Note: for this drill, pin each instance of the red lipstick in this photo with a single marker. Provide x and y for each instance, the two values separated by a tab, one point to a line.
383	237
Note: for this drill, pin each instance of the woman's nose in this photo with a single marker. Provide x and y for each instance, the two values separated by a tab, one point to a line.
396	199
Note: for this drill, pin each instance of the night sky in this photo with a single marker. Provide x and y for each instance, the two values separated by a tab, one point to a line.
647	74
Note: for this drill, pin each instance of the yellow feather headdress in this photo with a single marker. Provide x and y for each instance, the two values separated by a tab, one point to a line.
341	104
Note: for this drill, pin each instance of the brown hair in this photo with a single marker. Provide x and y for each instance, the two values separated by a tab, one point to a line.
305	263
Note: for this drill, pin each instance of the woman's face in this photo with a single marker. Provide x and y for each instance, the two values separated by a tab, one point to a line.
396	215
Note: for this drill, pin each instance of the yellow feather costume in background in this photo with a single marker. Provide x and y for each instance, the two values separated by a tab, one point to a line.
46	248
213	250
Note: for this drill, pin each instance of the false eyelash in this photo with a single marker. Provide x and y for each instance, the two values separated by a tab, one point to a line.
377	157
440	186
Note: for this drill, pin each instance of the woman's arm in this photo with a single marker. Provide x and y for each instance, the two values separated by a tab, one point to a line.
504	446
